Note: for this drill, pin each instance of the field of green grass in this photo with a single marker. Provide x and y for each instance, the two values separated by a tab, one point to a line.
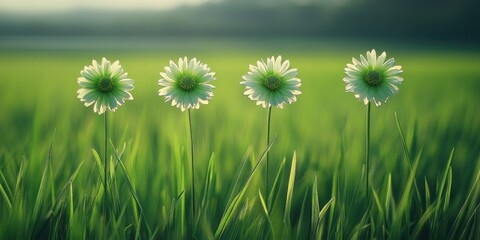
424	185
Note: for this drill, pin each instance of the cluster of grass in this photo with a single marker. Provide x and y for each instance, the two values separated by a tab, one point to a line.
425	168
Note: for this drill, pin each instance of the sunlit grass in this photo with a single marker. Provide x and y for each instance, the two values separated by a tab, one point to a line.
51	181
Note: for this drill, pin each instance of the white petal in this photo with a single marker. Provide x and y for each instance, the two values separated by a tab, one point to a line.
381	59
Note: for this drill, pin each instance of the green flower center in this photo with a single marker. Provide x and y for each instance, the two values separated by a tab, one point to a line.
105	85
272	82
187	83
373	78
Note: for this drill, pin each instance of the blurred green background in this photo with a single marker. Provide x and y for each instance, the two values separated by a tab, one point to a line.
42	51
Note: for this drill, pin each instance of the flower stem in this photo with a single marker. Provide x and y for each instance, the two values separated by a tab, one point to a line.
193	170
367	153
105	167
268	142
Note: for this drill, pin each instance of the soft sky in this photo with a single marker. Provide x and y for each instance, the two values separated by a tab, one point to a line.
60	5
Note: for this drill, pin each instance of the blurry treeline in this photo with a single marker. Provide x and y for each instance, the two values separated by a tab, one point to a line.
406	19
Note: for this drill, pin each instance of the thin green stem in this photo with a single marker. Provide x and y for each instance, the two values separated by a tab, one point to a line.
367	153
193	170
268	142
105	167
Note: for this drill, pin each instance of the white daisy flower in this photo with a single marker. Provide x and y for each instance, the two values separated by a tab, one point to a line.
187	84
373	79
105	86
272	83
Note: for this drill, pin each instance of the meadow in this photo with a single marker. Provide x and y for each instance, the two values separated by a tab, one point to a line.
424	175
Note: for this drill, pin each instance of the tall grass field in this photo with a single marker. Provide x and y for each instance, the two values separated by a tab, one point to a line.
424	150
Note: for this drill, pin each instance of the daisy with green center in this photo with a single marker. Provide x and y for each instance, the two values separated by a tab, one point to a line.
372	79
106	87
187	85
271	84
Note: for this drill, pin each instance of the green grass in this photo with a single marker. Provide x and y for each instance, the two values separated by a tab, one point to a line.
424	175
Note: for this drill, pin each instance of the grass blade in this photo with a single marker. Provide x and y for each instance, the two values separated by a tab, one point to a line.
71	212
448	190
314	222
441	186
463	210
407	155
360	227
423	219
265	210
237	178
381	212
21	172
300	225
232	207
5	184
60	197
390	205
5	195
171	211
202	220
57	208
130	187
441	189
427	194
276	186
334	193
291	183
98	160
209	183
470	219
321	216
405	201
43	183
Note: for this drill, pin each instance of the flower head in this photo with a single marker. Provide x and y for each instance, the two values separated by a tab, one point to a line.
187	84
104	85
272	83
373	79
